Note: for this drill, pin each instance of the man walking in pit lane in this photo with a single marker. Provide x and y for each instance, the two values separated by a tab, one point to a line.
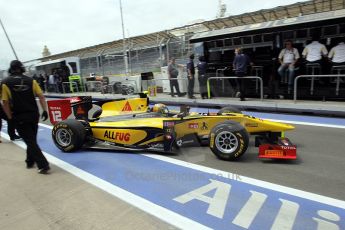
18	97
10	126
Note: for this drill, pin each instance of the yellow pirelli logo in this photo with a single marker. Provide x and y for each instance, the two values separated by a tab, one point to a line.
274	152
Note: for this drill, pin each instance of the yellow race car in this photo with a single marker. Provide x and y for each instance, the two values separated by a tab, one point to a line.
131	124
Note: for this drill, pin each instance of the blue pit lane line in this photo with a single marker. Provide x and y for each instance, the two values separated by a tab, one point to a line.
220	199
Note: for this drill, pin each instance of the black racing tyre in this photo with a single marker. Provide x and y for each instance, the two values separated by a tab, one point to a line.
229	140
69	135
228	109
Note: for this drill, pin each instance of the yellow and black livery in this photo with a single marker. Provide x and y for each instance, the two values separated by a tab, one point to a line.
132	125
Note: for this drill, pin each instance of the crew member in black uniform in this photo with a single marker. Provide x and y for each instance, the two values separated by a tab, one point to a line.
191	73
18	97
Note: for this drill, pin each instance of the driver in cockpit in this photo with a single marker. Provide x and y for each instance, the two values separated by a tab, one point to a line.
160	108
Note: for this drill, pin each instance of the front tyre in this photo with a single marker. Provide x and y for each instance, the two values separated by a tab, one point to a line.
69	135
229	140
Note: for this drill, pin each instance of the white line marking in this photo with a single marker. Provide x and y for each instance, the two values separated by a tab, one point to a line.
249	211
248	180
141	203
286	215
251	181
309	123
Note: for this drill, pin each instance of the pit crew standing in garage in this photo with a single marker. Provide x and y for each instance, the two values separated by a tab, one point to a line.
190	74
18	97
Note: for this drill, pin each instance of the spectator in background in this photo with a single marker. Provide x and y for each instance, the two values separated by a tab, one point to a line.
240	66
57	81
314	52
172	74
288	58
190	75
51	82
46	81
41	82
35	77
202	67
337	54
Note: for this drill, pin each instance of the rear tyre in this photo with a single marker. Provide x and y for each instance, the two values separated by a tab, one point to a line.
228	109
229	140
69	135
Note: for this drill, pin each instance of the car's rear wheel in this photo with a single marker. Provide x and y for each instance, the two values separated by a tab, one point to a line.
229	140
69	135
228	109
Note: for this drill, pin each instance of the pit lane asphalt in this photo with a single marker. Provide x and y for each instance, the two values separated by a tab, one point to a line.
319	168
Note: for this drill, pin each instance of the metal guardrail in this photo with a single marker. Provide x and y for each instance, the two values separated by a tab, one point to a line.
337	76
233	77
217	75
220	70
71	85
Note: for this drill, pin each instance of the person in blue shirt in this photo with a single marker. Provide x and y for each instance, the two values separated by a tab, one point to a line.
240	65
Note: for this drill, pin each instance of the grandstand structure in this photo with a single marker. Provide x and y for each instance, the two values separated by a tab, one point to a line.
149	52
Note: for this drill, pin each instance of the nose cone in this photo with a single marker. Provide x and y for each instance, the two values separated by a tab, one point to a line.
277	126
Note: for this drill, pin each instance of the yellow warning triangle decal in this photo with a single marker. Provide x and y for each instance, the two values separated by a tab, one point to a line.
127	107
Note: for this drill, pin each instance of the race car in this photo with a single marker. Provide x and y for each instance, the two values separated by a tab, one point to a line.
131	124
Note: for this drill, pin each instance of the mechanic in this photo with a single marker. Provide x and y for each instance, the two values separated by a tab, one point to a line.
202	67
240	65
18	97
190	74
173	73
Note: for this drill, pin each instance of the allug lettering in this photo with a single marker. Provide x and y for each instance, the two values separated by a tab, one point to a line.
117	136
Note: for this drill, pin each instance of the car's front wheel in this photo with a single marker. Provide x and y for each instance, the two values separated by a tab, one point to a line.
69	135
229	140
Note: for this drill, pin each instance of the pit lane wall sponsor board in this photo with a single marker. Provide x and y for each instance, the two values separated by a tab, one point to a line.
191	196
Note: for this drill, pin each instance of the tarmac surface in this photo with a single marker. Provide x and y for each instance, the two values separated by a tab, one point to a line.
63	201
29	200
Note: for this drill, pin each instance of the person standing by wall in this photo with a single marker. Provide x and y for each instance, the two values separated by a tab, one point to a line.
240	66
18	97
202	67
172	74
190	75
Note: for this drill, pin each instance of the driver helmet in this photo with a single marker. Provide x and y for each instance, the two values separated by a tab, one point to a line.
160	108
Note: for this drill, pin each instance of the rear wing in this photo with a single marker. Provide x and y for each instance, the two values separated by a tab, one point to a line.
61	109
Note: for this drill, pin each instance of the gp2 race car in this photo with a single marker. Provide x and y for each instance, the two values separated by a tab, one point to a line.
130	124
